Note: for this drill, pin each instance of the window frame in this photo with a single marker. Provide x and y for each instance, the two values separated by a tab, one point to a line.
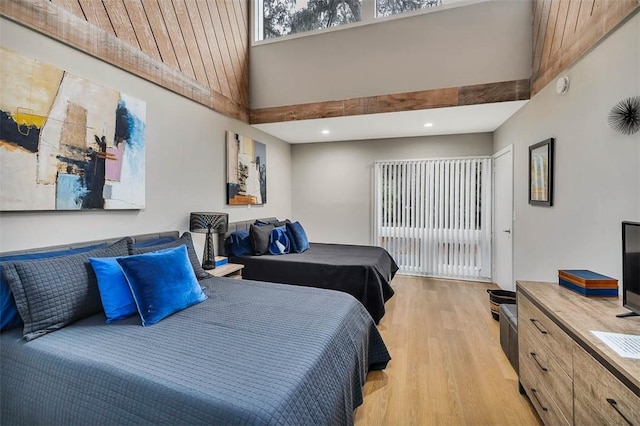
368	17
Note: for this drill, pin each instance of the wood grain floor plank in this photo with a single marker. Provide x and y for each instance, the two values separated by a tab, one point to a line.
447	365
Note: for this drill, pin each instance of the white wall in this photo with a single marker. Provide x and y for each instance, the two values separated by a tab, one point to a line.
597	179
402	55
637	37
185	160
333	182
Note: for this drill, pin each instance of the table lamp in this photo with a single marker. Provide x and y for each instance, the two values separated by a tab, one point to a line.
209	223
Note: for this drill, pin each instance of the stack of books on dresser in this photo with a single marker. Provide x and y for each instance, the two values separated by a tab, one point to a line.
588	283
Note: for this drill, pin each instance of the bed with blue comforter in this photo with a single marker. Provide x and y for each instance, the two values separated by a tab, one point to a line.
251	353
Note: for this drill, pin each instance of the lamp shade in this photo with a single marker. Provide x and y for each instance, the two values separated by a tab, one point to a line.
203	222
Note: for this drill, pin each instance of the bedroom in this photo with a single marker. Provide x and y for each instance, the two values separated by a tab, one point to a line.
554	237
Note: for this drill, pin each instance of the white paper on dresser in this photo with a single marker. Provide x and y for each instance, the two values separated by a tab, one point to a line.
625	345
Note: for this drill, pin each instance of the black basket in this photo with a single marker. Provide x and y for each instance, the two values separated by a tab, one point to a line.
497	298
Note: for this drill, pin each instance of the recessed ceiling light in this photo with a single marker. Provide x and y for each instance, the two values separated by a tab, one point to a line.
325	132
428	124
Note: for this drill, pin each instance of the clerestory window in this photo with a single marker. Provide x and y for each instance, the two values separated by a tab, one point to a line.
279	18
394	7
285	17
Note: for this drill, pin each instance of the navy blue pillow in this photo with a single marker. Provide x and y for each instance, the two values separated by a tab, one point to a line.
298	237
275	222
238	243
115	293
279	241
9	317
162	283
153	242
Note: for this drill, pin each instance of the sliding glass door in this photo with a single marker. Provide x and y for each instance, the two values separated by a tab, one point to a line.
434	216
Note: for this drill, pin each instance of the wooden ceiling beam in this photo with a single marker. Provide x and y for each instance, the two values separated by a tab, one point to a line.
410	101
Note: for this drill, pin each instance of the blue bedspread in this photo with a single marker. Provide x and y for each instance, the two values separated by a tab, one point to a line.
252	353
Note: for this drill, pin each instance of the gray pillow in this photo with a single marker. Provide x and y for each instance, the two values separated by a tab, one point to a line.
184	239
259	236
52	293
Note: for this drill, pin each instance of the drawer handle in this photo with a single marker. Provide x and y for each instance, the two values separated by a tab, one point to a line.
535	395
614	404
539	327
535	358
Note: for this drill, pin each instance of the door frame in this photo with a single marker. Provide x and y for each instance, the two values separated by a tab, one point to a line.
503	151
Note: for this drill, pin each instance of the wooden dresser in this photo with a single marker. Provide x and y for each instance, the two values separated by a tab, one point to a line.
568	373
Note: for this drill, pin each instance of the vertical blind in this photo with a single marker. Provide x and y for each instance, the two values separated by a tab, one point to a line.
434	216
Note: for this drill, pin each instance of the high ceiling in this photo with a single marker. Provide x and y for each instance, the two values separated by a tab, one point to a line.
163	42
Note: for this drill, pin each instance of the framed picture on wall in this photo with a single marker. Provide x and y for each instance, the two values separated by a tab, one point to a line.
67	143
541	173
246	170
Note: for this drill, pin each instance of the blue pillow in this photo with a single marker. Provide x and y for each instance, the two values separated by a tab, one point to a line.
9	317
279	241
239	244
115	293
162	283
298	237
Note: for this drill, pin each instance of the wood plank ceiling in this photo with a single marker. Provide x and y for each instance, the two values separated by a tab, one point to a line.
200	49
564	30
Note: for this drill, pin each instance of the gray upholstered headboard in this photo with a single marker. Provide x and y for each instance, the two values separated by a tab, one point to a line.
237	226
135	238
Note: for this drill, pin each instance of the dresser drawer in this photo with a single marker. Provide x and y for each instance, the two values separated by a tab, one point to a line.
531	319
537	359
600	398
541	398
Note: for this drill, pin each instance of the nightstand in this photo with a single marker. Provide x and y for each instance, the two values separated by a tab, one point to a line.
230	270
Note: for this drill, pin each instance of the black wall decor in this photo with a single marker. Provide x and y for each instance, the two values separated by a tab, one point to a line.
625	116
541	173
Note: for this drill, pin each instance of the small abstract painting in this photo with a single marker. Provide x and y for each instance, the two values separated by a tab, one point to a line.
67	143
246	170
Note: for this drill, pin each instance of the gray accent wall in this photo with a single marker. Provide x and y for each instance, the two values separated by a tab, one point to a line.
333	184
409	54
185	160
597	179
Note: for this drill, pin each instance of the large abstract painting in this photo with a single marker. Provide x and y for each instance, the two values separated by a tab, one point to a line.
67	143
246	170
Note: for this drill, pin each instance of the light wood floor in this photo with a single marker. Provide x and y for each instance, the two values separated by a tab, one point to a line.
447	366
